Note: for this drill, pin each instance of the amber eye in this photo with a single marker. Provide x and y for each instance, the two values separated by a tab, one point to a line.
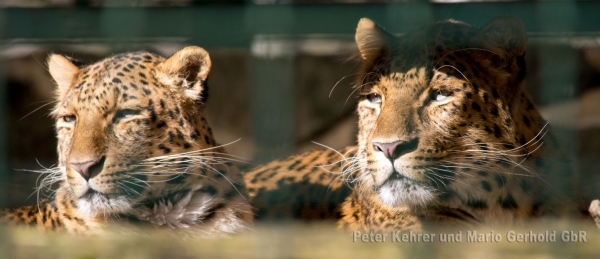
374	98
70	119
440	95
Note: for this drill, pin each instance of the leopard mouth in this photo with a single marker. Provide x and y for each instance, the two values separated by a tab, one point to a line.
119	183
99	197
397	176
94	203
400	190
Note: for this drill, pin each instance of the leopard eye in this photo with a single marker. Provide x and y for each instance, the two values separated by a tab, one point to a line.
70	119
125	114
440	95
374	98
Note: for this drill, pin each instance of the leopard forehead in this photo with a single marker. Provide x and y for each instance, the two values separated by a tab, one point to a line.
112	81
447	57
412	59
126	82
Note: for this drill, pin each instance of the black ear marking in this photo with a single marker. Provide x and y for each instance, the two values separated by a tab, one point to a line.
522	67
204	94
77	62
192	72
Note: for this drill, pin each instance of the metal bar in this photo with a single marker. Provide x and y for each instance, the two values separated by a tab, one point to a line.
235	25
4	160
272	99
272	107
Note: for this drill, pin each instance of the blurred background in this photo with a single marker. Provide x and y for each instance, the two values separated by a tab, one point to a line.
282	70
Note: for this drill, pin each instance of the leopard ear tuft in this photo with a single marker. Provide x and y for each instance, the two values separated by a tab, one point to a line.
371	39
186	70
505	34
62	71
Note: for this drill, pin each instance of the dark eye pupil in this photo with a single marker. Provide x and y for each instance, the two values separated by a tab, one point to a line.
127	113
69	118
439	95
374	98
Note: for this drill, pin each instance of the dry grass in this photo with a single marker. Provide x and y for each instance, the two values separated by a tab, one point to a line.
291	241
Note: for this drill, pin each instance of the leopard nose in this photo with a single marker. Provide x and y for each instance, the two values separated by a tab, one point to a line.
395	149
85	169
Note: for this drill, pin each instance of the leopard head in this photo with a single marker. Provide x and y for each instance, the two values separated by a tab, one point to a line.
114	118
443	117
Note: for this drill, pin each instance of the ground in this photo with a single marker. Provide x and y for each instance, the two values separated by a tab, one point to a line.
293	241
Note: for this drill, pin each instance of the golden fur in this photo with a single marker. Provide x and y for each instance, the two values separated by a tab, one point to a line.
134	147
447	134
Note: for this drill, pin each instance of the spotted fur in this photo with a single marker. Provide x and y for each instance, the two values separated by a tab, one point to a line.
134	147
447	134
296	187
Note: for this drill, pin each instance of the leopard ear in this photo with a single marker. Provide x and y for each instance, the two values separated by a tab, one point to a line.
62	71
504	34
371	39
186	70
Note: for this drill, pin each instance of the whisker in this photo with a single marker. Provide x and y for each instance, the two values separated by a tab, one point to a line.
456	70
344	77
37	109
191	152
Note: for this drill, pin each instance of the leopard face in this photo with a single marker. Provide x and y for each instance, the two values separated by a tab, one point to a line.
443	119
131	133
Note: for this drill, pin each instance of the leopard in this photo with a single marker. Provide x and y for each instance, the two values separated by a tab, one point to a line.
306	186
135	151
447	136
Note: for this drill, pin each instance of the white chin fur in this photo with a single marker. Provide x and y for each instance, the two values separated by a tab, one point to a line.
404	192
185	210
98	205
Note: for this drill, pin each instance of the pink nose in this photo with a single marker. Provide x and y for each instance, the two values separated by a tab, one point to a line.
395	149
83	168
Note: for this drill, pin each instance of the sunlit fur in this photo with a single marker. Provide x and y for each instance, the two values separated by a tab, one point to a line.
139	118
475	143
476	149
305	186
